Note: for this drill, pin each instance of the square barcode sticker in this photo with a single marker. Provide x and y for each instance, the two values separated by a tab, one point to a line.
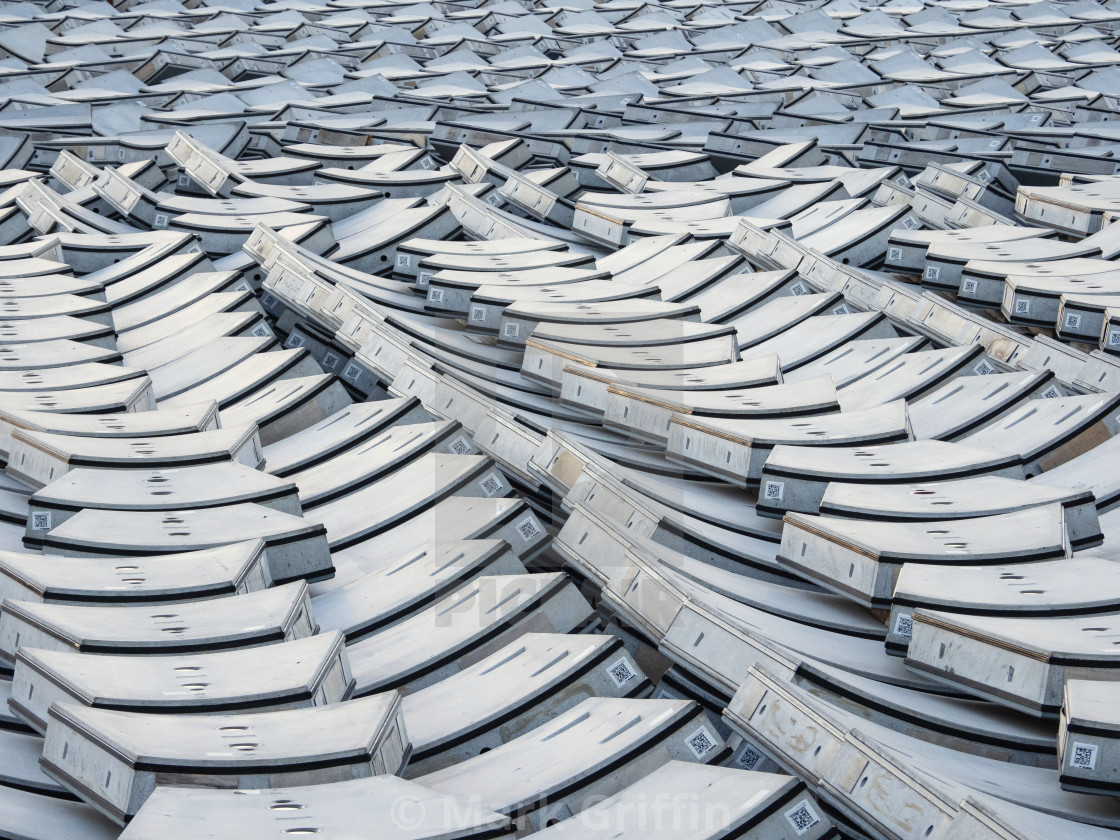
798	288
1051	393
435	295
773	491
241	287
932	272
329	361
969	286
802	816
701	742
184	178
1072	321
1084	756
909	223
493	199
748	758
424	278
620	672
404	260
352	373
1114	338
842	309
267	300
491	485
511	330
1022	307
261	331
528	528
294	341
41	521
894	254
460	446
478	314
161	220
983	369
904	625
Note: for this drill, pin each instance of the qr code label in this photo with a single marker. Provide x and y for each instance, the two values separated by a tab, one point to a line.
748	758
493	199
701	742
435	295
1114	338
161	220
894	254
909	223
773	491
261	331
665	695
528	528
904	625
798	288
1051	393
1072	321
478	314
491	485
404	260
1084	756
294	341
241	287
970	286
184	178
352	373
41	521
460	446
511	330
426	163
330	360
983	369
933	272
268	301
1022	307
842	309
802	816
620	672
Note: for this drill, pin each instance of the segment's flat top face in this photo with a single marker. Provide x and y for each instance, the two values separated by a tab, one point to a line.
136	447
197	679
255	614
400	809
183	530
731	798
254	738
132	576
850	426
1034	532
979	496
1092	703
1092	639
562	751
161	488
448	625
528	666
1075	582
